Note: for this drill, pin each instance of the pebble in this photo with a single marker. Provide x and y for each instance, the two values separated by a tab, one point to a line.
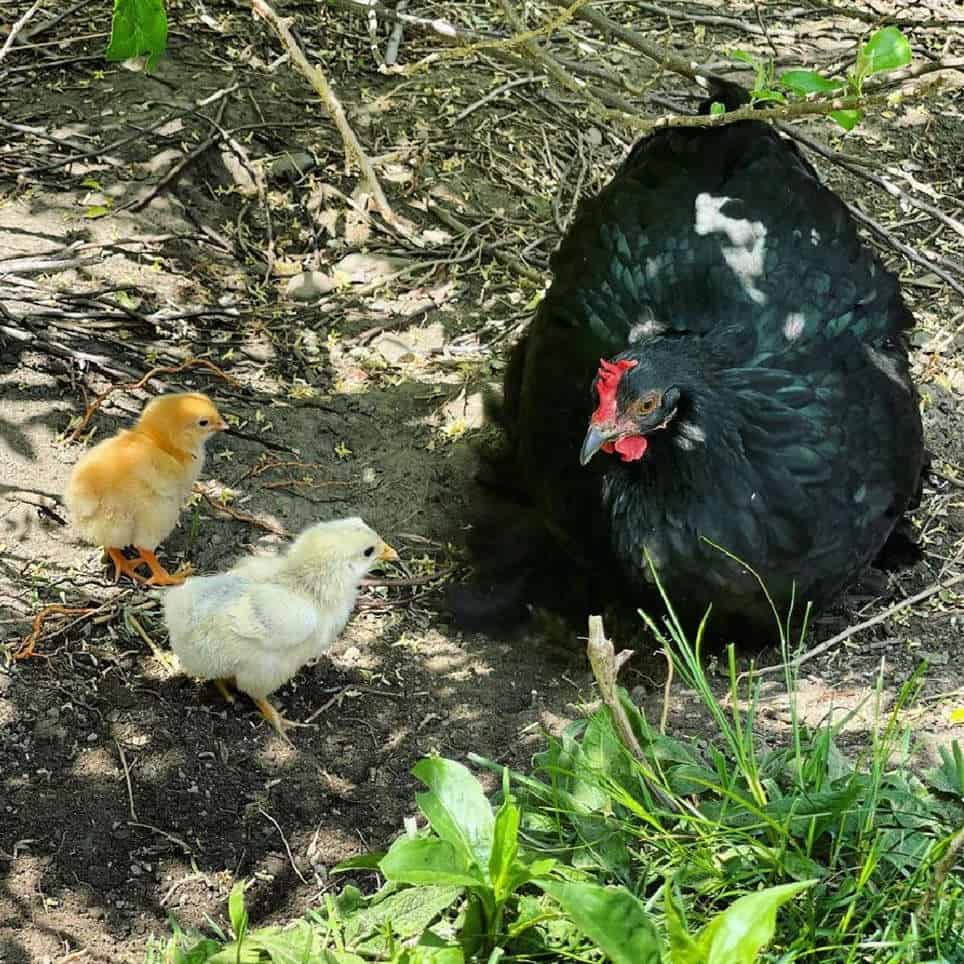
308	285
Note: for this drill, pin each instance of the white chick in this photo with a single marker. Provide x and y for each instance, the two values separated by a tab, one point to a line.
261	621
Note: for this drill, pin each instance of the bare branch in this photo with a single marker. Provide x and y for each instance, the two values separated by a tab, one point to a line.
353	147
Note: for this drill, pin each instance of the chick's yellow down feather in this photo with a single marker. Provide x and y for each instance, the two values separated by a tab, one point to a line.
129	489
261	621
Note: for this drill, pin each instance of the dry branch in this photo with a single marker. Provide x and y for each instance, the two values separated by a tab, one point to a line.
140	383
606	665
860	627
353	147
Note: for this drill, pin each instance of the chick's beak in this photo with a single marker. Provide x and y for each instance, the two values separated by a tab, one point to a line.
591	444
388	554
221	425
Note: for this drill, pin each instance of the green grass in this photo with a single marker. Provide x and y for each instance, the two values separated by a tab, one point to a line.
720	851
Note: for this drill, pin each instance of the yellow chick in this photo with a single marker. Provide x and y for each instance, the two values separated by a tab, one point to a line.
261	621
129	489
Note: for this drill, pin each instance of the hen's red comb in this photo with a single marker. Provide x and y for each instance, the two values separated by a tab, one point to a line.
607	381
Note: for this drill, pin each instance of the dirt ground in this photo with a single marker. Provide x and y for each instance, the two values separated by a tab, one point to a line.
127	791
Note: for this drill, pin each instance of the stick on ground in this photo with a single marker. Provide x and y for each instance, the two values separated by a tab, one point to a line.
319	81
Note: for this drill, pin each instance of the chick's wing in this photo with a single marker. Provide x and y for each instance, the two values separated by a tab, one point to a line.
277	618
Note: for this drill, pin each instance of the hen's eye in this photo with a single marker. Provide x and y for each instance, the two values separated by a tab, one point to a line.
204	423
646	405
369	550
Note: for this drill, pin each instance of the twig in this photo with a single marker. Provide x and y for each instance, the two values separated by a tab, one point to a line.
801	108
127	778
667	689
133	623
243	516
905	249
711	19
861	172
284	840
337	698
353	147
662	56
204	146
606	665
552	66
507	259
869	16
860	627
940	873
16	28
140	383
30	640
186	847
436	25
395	38
492	94
411	581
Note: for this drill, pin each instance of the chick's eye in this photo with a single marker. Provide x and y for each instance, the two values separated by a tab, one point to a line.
369	550
204	423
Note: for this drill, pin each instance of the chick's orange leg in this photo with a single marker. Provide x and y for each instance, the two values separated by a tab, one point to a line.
277	721
124	566
159	575
221	685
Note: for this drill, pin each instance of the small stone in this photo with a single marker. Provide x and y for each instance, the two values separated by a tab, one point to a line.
292	165
240	174
308	285
362	268
393	349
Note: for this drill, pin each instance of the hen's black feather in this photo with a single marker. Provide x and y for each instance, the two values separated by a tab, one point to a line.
718	262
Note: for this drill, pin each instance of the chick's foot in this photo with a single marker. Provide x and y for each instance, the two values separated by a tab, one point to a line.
277	721
124	566
159	575
221	685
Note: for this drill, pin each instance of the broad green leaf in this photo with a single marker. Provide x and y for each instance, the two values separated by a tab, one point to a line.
233	953
456	807
742	56
505	847
683	949
471	928
716	108
403	915
736	935
96	211
427	860
236	912
297	945
949	776
766	94
138	27
847	119
433	955
809	82
611	917
363	862
887	49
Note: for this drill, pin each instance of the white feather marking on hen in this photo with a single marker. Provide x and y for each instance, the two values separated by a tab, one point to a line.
744	256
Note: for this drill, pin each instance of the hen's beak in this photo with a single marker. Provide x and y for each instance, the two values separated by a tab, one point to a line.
591	444
388	554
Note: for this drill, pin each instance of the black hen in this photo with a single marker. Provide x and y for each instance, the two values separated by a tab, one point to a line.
731	360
